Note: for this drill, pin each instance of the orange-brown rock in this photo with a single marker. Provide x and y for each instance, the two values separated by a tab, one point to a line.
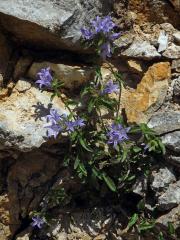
149	94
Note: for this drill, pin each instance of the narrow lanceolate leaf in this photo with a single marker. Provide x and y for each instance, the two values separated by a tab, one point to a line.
145	226
171	229
84	145
76	163
110	183
133	220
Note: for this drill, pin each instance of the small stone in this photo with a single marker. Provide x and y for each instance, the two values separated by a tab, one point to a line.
176	65
176	87
164	122
171	198
172	52
134	66
163	41
174	160
172	141
161	179
61	236
142	50
22	86
171	217
140	186
176	36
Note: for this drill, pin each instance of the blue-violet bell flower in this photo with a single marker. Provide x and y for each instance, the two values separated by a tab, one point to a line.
45	78
110	87
53	130
37	222
117	134
71	125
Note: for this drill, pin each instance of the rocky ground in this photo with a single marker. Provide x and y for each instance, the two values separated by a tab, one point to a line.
36	34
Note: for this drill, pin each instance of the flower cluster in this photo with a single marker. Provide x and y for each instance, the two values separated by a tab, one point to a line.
102	27
45	78
37	222
117	134
110	87
60	123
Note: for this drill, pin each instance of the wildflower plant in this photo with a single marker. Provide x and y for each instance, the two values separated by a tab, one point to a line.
97	146
105	152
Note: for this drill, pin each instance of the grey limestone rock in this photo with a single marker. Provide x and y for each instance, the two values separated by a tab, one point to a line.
50	24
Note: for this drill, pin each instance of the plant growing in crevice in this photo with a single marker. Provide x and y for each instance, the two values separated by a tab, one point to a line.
104	151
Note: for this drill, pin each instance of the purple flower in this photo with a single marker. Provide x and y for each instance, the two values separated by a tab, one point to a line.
104	25
114	36
37	222
117	134
110	87
55	120
54	116
53	130
79	122
71	125
87	34
105	50
45	78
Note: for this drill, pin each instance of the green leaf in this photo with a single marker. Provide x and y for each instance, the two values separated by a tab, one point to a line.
133	220
110	183
76	163
91	105
82	169
84	144
136	149
143	226
163	149
171	229
160	237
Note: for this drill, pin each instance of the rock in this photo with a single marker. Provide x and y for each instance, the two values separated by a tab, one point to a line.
164	122
135	66
5	54
163	41
50	24
5	221
72	76
172	141
176	36
23	236
174	160
124	41
176	65
87	224
21	67
171	217
161	179
140	186
29	180
171	198
176	4
141	50
176	87
172	52
141	103
22	117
